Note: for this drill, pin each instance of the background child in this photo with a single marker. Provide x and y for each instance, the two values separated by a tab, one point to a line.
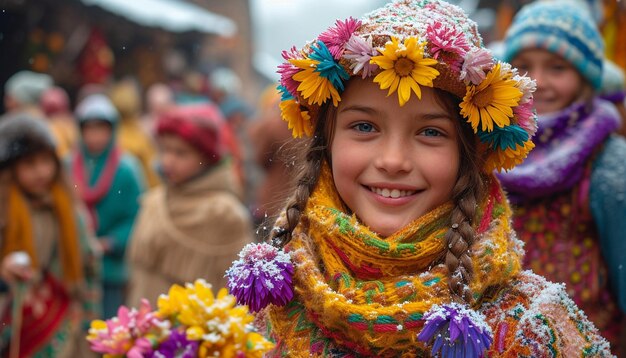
398	232
193	226
22	93
39	217
569	193
109	182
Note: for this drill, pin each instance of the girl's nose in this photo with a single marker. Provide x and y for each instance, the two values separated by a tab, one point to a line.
392	157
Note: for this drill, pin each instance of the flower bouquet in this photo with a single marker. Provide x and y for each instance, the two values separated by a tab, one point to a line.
190	322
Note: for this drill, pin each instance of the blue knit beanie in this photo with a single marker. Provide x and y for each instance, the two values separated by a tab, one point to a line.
563	28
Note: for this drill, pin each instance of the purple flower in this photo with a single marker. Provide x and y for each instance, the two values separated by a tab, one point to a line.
177	346
360	52
262	275
287	70
336	37
455	331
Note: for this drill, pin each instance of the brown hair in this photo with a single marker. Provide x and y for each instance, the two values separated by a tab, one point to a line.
468	189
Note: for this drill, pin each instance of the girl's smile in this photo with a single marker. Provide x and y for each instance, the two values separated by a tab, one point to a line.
393	164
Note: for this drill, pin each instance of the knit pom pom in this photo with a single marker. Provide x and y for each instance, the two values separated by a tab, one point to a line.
455	331
262	275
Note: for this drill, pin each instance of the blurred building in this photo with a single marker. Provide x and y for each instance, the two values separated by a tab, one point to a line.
96	41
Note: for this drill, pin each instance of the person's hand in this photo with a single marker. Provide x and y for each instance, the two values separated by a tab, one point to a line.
16	267
105	244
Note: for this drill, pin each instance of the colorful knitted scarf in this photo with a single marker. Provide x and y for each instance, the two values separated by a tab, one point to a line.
18	234
564	144
357	290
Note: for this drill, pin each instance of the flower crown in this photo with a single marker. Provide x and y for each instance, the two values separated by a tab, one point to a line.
403	46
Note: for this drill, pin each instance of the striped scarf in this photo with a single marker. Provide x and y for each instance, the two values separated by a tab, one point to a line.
358	291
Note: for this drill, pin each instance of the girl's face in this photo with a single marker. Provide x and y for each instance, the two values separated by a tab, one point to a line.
558	82
36	173
179	159
96	136
393	164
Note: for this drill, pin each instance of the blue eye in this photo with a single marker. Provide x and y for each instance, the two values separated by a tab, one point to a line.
430	132
364	127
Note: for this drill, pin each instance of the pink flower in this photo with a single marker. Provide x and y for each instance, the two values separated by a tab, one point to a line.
446	39
140	349
360	52
126	334
287	70
526	117
336	37
144	318
476	62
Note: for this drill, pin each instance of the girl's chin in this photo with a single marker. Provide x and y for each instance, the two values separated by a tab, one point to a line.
385	230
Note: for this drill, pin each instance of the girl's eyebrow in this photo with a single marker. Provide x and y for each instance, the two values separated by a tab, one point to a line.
373	111
359	108
436	115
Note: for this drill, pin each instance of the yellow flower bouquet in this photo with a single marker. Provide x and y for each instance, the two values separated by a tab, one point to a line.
190	322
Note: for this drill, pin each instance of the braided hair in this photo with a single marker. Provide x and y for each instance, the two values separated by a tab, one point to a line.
468	189
312	154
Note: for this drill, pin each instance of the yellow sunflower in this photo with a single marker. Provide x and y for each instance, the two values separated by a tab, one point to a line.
298	121
508	158
404	68
313	87
492	101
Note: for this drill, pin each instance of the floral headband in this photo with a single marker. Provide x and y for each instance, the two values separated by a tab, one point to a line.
403	46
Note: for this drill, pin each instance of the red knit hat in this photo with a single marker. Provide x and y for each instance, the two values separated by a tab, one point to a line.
201	125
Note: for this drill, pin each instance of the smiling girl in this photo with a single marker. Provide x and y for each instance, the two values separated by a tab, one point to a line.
396	241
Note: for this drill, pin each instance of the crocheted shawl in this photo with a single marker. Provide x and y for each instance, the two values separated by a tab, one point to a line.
186	232
565	142
367	293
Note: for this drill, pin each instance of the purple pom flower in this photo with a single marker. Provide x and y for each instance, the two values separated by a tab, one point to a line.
177	345
262	275
455	331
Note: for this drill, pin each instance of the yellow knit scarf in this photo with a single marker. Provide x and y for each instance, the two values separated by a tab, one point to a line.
368	293
18	234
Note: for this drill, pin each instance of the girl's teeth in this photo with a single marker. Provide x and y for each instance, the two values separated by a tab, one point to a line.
393	193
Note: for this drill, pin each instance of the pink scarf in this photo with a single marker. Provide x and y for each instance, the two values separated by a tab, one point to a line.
91	195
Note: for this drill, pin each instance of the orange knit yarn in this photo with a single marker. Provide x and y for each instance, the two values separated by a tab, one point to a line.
18	235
